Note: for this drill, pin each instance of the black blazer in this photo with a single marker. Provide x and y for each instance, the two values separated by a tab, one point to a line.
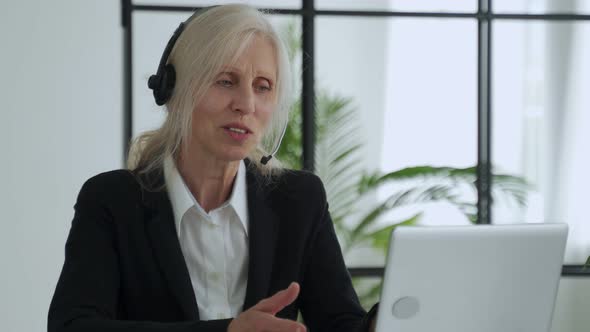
124	270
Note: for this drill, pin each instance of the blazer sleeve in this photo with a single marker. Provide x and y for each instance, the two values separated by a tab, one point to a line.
86	295
328	299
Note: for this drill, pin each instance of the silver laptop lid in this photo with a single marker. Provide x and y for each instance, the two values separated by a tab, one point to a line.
472	278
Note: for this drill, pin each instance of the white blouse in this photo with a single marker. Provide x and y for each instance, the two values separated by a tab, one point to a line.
214	244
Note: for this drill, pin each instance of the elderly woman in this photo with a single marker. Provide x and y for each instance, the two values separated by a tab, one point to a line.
202	233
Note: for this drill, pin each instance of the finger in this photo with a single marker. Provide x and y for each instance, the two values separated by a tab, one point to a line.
274	324
281	299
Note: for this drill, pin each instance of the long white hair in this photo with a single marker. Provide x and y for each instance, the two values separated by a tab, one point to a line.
212	38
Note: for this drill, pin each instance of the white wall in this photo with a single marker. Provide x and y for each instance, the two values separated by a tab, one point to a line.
60	123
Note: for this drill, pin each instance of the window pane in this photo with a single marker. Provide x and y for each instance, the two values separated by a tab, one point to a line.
400	5
151	32
407	95
542	6
541	124
290	4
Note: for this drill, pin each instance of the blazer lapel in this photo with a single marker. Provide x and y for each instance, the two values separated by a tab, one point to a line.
161	231
262	233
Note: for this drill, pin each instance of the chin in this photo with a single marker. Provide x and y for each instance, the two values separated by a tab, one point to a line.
233	155
232	152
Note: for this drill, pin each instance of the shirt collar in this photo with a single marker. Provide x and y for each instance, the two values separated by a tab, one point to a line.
182	199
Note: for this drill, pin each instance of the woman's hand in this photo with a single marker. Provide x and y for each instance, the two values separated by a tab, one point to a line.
261	317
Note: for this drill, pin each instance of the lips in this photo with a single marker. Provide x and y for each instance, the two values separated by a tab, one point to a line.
237	128
237	132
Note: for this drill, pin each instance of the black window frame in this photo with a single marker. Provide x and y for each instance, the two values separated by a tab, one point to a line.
485	17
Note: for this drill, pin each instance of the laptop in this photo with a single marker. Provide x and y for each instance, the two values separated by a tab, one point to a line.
480	278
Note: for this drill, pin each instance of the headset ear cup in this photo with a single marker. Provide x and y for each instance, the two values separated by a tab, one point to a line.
163	84
167	84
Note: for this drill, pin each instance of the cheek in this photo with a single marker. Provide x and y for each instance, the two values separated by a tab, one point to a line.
204	112
198	118
265	116
211	103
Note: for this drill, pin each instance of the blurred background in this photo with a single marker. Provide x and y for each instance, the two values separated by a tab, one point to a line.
408	97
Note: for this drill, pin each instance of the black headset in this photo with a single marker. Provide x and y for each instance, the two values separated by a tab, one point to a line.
163	81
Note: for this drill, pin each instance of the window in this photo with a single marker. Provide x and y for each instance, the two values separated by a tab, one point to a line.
541	125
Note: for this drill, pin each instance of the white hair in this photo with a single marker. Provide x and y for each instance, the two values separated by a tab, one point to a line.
212	38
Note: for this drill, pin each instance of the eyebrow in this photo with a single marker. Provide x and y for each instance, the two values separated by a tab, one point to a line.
233	70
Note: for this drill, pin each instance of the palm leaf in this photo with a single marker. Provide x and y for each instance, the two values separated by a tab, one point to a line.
398	199
503	185
337	154
291	151
380	238
372	181
371	296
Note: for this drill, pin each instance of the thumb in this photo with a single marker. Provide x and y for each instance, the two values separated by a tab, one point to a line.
281	299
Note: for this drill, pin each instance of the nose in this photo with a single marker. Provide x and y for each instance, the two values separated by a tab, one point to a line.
244	100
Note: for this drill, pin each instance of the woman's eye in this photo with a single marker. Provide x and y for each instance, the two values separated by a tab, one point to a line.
226	83
263	88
